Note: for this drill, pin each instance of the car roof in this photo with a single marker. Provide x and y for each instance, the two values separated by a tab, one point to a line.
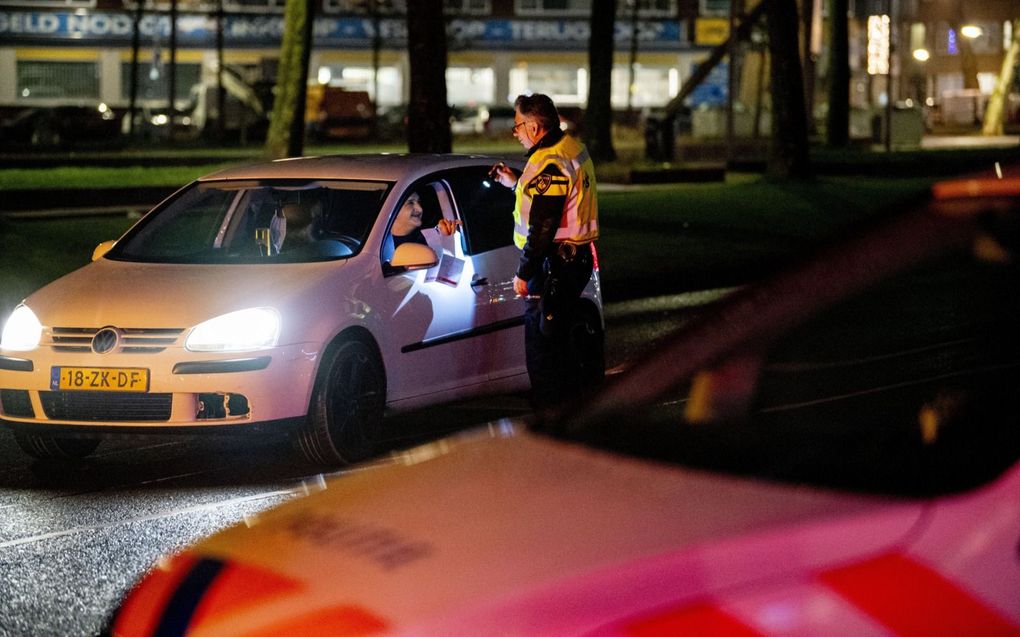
381	166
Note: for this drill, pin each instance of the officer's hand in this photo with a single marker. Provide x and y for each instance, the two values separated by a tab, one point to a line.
503	174
446	227
520	286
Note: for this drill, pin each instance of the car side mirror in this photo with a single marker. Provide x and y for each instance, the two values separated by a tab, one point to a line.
102	249
413	256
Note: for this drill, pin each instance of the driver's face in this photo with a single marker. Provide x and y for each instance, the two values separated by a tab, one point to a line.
409	216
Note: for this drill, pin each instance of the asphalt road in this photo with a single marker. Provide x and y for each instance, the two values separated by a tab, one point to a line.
74	538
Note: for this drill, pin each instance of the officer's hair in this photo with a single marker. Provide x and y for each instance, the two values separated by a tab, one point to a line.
540	108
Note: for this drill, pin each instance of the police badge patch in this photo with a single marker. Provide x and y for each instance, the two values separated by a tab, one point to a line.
541	183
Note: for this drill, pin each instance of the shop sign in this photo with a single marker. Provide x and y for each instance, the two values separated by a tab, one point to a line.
99	28
711	31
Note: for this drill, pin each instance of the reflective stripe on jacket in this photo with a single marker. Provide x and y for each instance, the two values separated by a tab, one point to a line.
575	181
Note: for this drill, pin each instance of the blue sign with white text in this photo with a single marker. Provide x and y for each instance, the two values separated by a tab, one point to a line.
193	30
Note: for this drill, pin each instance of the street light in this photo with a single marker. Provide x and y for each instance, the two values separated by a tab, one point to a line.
921	55
970	31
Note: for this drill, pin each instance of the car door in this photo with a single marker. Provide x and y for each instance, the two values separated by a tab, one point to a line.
439	339
485	209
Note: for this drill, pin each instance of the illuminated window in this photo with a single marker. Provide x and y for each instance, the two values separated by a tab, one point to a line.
878	45
57	80
470	85
87	4
210	6
651	86
564	85
468	7
553	7
365	7
647	8
714	7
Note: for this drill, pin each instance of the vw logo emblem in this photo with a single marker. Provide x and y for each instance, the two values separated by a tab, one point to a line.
105	340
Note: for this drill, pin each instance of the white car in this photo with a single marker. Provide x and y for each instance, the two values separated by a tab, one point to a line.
272	295
843	465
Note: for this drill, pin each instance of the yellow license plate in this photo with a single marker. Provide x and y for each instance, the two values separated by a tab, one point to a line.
134	379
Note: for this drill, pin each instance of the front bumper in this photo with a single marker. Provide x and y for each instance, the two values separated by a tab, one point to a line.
185	390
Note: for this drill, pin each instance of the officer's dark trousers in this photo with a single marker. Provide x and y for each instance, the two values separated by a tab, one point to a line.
547	321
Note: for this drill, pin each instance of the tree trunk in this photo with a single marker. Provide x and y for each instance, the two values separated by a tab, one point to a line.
838	121
291	80
296	140
428	114
598	116
788	150
172	74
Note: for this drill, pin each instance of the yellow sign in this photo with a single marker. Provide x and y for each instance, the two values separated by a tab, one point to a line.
711	31
100	378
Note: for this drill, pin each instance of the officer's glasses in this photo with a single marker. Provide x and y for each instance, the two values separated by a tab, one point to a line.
513	129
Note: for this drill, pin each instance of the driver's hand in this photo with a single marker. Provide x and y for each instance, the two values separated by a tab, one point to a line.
446	227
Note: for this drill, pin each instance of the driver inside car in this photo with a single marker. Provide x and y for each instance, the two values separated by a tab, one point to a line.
407	227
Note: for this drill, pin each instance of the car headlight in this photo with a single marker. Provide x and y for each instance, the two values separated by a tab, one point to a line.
22	331
254	328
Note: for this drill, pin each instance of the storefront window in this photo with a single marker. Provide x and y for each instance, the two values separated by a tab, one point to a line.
713	7
651	87
210	6
565	85
470	86
34	4
647	8
56	80
553	7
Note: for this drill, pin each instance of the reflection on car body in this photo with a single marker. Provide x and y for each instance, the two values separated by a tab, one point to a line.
265	295
779	498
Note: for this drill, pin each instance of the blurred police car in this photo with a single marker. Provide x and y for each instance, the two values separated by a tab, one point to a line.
796	462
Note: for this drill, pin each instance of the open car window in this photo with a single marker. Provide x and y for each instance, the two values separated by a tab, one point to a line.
278	221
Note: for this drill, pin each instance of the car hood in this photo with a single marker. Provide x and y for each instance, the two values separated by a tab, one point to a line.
156	295
450	531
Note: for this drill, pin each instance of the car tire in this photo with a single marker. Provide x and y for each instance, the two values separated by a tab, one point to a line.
55	447
586	347
345	417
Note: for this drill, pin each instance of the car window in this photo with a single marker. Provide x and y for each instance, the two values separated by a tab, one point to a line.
485	207
257	222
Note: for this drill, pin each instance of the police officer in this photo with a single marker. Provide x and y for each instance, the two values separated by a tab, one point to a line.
555	223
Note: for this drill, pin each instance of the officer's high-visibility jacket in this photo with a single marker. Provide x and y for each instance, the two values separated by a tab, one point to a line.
556	200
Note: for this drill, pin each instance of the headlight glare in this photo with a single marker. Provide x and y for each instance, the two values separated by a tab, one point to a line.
251	329
22	331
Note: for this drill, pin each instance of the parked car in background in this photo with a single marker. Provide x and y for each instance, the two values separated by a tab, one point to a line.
156	124
334	113
271	297
468	120
823	453
61	127
500	122
391	122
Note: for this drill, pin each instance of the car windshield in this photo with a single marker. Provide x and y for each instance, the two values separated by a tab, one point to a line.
905	387
258	221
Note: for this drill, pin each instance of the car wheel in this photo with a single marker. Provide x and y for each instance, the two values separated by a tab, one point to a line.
55	447
345	418
586	352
